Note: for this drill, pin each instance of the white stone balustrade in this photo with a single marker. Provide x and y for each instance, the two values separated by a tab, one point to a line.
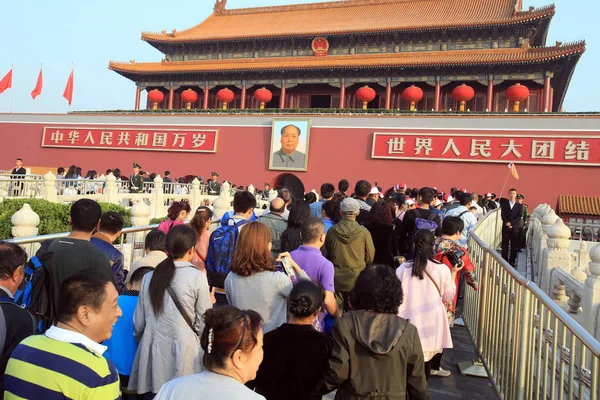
25	222
591	296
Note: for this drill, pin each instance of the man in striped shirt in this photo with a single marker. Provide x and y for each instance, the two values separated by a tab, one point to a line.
67	361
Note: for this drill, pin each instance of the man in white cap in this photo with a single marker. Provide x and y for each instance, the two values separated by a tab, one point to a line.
374	195
489	203
350	248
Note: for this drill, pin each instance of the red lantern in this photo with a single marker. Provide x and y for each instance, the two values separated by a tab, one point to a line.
517	93
462	94
225	96
155	96
412	94
189	96
365	94
263	96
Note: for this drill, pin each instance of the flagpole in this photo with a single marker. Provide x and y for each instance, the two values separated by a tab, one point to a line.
40	95
10	92
72	71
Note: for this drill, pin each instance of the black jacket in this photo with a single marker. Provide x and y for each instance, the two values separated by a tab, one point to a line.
385	241
513	215
408	225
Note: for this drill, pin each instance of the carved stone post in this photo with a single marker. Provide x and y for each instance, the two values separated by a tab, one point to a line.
48	191
557	253
591	294
159	198
196	195
223	202
140	213
24	222
580	270
110	191
251	189
547	220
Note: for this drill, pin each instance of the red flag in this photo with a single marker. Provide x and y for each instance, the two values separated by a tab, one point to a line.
68	93
38	86
6	82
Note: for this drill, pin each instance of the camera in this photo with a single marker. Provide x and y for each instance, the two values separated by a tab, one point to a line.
455	257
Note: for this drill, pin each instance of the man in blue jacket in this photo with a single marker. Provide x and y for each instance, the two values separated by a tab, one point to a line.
111	225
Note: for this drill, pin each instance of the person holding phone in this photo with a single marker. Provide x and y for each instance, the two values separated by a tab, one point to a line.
254	280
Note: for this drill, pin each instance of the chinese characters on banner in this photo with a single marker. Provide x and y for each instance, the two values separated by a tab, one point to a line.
581	150
200	141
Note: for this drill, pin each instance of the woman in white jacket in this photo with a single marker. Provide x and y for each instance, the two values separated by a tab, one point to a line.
168	317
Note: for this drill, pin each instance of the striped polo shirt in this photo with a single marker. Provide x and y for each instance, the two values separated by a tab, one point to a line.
49	369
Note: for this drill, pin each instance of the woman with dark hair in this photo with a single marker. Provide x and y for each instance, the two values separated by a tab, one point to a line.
383	233
168	316
372	339
427	284
91	187
290	238
232	341
177	213
330	213
201	224
71	174
254	280
310	197
297	371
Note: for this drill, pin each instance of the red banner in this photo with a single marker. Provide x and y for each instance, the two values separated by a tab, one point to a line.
193	141
533	148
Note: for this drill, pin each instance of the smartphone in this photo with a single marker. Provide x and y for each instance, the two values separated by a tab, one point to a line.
287	266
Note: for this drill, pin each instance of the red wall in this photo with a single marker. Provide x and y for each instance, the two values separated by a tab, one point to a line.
335	153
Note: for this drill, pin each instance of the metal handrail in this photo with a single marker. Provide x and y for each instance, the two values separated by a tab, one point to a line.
53	236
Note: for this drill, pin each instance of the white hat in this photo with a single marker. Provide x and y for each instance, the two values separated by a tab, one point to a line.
374	190
437	202
409	202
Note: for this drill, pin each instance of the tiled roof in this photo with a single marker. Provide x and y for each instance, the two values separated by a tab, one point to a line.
509	56
350	16
581	205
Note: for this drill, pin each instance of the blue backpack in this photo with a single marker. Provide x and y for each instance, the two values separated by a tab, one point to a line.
220	252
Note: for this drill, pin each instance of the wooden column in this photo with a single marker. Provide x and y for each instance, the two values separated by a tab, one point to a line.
551	108
436	96
343	95
138	95
243	99
388	95
171	95
547	94
282	96
205	102
490	95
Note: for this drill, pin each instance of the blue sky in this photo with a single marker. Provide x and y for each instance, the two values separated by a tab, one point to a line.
91	33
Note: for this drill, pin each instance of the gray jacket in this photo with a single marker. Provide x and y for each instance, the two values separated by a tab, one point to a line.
168	348
276	224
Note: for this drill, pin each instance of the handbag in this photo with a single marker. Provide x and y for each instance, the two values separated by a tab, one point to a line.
186	317
448	307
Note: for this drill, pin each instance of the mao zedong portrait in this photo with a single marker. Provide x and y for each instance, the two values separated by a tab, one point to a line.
288	156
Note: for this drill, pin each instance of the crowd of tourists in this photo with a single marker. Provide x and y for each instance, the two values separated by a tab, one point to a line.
349	292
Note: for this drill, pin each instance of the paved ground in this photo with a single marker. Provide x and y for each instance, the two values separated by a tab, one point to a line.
457	386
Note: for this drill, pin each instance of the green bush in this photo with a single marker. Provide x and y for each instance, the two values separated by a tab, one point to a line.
54	218
157	220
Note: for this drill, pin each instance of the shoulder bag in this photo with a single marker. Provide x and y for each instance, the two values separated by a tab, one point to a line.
449	307
184	315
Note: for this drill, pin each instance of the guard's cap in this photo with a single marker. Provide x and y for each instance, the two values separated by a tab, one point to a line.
520	196
267	184
136	165
214	174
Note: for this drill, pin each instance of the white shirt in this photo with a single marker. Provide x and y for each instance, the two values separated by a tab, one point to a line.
67	336
512	204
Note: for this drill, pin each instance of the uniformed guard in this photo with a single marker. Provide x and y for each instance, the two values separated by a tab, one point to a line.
136	181
214	188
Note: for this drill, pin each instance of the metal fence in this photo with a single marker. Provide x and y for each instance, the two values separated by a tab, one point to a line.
530	347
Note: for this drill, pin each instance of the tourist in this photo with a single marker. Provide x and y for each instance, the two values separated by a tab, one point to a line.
296	355
232	341
111	227
178	213
361	193
91	187
318	268
343	187
201	224
350	248
74	252
523	223
489	204
214	188
67	360
373	197
383	233
167	178
386	361
16	323
122	346
310	198
409	204
154	247
463	212
327	191
418	218
168	316
290	238
287	197
512	214
330	214
254	281
428	283
276	223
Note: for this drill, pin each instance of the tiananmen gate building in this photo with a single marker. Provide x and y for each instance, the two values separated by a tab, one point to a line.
319	55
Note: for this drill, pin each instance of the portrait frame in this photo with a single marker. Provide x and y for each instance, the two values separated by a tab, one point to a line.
276	156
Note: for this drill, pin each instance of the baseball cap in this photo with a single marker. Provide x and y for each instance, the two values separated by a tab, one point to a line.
488	195
409	202
401	186
350	206
464	190
374	190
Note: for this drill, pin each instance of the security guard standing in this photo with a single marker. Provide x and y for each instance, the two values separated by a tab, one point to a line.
136	181
214	188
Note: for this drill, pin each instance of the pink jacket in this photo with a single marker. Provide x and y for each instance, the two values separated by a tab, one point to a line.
424	308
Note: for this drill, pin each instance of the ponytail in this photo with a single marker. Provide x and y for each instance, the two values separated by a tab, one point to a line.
424	241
